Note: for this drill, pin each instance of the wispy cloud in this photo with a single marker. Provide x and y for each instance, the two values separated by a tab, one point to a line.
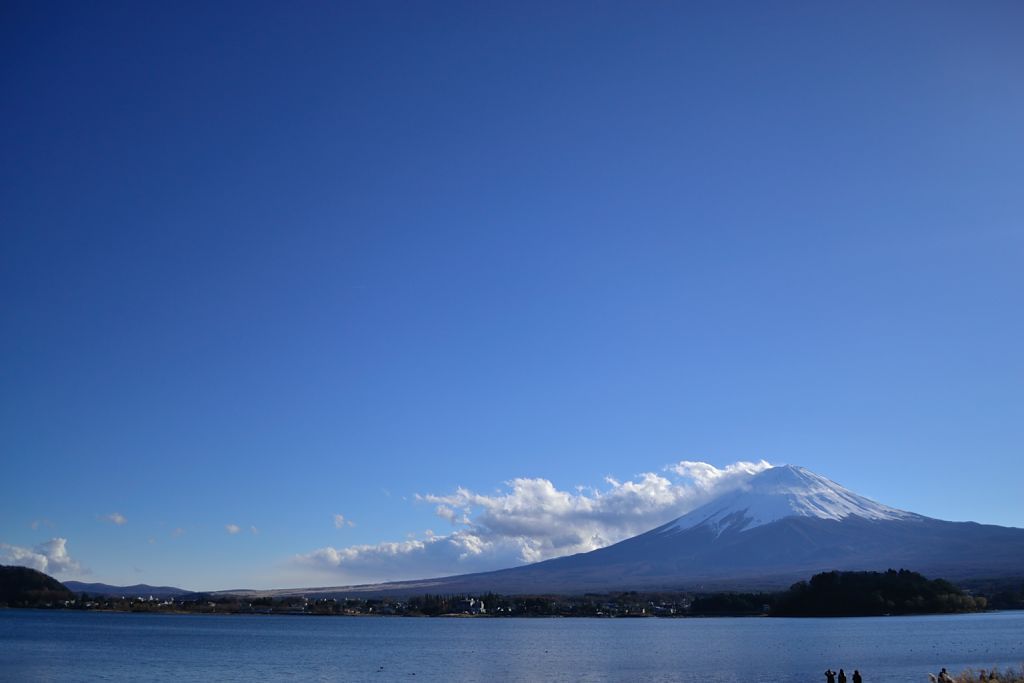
115	518
232	528
178	532
39	523
533	520
51	557
254	531
340	522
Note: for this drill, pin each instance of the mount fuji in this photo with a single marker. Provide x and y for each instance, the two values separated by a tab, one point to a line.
784	524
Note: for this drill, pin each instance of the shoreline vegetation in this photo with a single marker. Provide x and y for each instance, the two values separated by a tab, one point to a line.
1008	675
829	594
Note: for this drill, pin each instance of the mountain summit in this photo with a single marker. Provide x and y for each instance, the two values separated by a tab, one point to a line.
780	492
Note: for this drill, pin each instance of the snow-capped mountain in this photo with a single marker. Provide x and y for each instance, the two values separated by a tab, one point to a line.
780	492
785	524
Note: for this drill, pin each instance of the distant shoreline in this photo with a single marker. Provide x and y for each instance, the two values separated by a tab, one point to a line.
234	613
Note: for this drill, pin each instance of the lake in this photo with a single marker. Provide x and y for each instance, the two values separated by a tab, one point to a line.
38	645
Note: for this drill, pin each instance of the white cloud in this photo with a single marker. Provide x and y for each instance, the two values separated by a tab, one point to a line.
533	520
340	522
178	532
445	512
232	528
254	530
416	558
115	518
708	476
50	557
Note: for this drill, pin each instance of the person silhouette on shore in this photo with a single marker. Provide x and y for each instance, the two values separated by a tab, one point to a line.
842	676
830	676
856	677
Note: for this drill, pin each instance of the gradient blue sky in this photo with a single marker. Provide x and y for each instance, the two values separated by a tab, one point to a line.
264	264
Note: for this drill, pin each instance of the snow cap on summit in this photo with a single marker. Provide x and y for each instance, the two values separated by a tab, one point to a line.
779	492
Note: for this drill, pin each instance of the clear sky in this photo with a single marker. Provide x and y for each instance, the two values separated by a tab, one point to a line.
263	265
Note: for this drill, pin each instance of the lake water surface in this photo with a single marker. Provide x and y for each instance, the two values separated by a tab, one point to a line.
38	645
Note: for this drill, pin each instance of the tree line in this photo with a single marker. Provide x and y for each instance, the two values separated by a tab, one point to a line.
827	594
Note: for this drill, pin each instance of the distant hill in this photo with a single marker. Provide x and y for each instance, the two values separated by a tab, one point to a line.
138	590
22	586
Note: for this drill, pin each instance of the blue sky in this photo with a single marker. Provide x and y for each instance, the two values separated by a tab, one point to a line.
262	266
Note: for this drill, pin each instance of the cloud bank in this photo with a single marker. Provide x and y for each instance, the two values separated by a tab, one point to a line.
532	520
50	557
